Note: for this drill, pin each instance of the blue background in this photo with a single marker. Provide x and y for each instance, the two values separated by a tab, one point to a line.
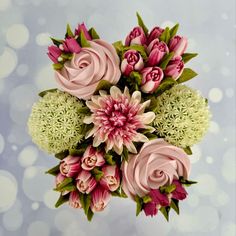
26	196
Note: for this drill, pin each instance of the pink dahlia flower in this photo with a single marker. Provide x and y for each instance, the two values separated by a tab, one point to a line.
117	118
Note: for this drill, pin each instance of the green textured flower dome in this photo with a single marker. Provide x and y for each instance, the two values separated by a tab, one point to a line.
182	116
55	123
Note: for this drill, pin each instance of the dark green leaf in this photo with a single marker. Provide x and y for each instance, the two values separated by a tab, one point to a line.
65	182
66	56
69	31
186	75
76	152
147	199
165	60
43	93
188	56
186	182
57	42
62	155
165	36
62	199
168	189
139	204
109	159
206	100
151	136
69	187
85	200
137	77
53	171
188	150
175	205
123	194
83	40
97	173
84	110
93	33
57	66
174	30
166	84
119	47
125	154
141	23
165	211
119	193
85	128
90	215
103	85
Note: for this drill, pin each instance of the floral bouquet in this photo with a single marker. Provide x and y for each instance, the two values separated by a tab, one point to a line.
122	124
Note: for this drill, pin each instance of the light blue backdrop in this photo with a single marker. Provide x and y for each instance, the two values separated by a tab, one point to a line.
26	198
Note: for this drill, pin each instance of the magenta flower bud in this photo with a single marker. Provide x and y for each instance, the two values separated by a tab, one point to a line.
132	61
175	68
70	166
111	178
154	34
54	53
178	45
136	36
157	51
100	199
152	77
159	198
74	200
150	209
71	45
59	179
92	158
84	29
179	193
85	182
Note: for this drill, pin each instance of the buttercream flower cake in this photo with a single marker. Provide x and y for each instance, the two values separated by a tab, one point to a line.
121	123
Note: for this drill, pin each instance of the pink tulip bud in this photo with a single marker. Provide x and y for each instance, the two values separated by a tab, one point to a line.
159	198
85	182
111	178
70	166
74	200
179	193
59	179
92	158
136	36
152	77
132	61
100	199
54	53
154	34
178	45
71	45
157	51
84	29
150	209
175	68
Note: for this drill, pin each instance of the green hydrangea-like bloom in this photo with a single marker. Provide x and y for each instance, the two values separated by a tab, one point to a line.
55	123
182	116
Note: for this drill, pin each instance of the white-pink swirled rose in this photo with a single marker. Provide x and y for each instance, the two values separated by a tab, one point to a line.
157	164
82	74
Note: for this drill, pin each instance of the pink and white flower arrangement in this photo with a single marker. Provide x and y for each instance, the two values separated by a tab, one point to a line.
110	96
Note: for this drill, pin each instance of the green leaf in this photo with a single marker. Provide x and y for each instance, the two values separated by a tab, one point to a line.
187	183
85	202
69	187
57	66
137	77
188	150
186	75
109	159
62	199
97	173
62	155
146	199
139	204
69	31
165	36
83	40
66	56
174	30
65	182
125	154
151	136
175	205
84	110
43	93
140	49
76	152
166	84
53	171
188	56
141	23
168	189
57	42
90	215
103	85
85	128
119	47
165	211
93	33
165	60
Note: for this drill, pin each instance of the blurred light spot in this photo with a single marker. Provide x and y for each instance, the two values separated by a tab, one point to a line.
206	68
74	229
38	228
193	200
5	4
220	198
50	198
215	95
43	39
184	222
229	92
28	156
229	166
8	186
209	160
228	229
224	16
12	220
8	62
41	21
206	184
18	135
22	70
35	206
197	153
14	147
63	219
214	127
17	36
2	143
225	71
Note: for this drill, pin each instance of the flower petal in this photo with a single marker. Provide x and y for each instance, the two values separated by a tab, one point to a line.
147	118
140	138
88	120
115	92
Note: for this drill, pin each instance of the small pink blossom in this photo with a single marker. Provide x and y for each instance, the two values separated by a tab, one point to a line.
74	200
136	36
71	45
84	29
154	34
178	45
54	53
85	182
179	193
175	68
111	178
92	158
159	198
70	166
100	199
150	209
151	78
132	61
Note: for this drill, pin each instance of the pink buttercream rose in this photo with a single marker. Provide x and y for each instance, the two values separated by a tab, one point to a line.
81	75
157	164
